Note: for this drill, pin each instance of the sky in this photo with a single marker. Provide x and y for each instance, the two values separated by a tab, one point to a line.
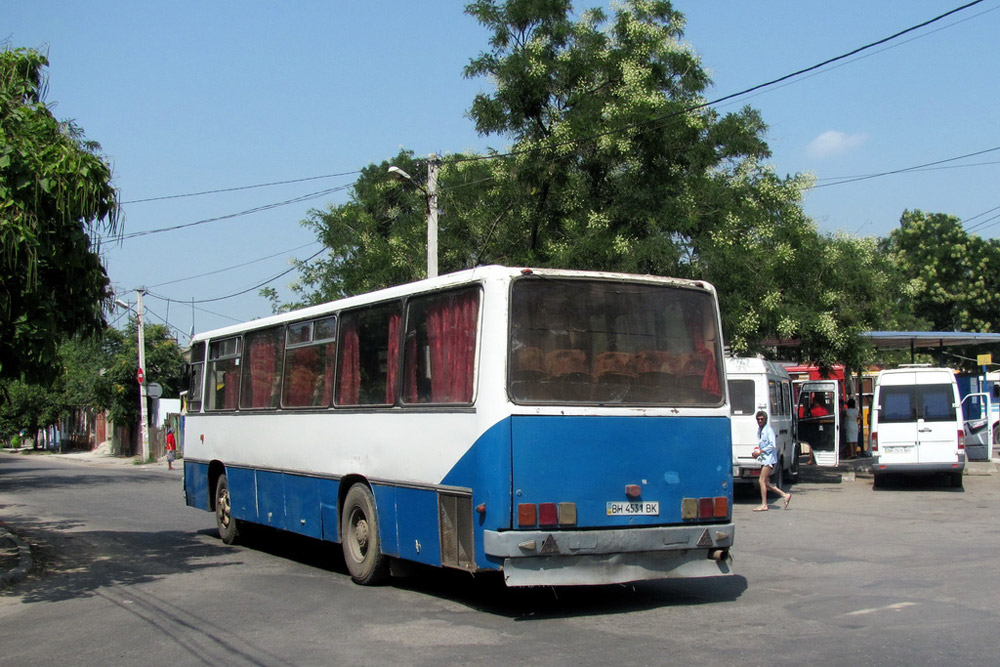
188	97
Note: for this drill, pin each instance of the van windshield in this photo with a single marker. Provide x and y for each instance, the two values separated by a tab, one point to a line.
930	402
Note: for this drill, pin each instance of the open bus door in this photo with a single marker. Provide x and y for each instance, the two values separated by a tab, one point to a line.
977	423
818	409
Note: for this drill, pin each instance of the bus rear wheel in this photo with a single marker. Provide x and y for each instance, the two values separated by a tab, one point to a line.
359	537
228	528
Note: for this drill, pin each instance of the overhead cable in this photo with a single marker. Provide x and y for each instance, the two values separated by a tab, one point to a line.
241	187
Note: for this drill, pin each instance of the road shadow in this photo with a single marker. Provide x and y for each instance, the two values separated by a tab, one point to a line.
28	477
910	483
486	592
70	563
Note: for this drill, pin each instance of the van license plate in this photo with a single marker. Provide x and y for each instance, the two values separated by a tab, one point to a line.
651	508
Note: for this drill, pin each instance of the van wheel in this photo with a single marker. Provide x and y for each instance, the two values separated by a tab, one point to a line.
956	480
779	474
878	481
359	537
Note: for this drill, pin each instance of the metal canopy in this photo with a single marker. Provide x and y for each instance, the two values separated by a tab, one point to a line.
911	340
906	340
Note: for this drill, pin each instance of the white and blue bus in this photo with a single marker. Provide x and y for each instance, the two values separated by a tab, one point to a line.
563	427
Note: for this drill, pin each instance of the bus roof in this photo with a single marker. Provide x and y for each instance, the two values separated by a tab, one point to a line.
480	273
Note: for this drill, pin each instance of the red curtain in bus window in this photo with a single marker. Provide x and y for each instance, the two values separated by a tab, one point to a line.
329	353
410	369
392	359
451	334
709	381
349	391
301	376
232	388
263	364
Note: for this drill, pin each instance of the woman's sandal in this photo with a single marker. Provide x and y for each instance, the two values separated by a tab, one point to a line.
759	509
788	499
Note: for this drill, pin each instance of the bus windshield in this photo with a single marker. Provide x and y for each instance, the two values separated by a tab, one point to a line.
604	342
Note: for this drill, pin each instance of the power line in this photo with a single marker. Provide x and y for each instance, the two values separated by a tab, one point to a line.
241	187
236	266
241	292
674	114
855	179
265	207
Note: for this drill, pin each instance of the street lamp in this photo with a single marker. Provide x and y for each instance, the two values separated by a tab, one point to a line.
141	371
432	213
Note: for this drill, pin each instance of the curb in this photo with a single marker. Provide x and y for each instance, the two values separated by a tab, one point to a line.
24	561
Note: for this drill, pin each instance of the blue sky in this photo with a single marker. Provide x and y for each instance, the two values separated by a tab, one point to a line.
186	97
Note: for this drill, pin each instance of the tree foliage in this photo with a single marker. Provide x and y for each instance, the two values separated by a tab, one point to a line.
615	163
164	365
55	193
949	278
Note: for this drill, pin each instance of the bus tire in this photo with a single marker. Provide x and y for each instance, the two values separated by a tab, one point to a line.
228	526
956	480
359	537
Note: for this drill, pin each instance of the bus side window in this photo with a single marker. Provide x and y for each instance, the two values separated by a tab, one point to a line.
223	374
262	368
439	357
310	352
368	356
196	372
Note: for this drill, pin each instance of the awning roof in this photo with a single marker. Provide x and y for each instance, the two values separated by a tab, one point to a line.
907	340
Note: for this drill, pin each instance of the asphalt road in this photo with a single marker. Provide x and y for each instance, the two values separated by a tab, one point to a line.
126	574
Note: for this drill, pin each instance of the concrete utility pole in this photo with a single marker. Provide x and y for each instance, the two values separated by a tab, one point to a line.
432	215
140	373
143	416
431	194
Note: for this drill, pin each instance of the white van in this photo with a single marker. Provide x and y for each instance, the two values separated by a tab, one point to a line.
756	384
917	424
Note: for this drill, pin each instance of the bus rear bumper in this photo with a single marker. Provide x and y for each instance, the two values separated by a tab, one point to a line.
573	558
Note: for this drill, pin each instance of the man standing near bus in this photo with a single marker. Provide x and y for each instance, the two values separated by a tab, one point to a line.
767	452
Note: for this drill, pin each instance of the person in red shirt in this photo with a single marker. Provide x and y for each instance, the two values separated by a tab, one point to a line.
818	408
171	449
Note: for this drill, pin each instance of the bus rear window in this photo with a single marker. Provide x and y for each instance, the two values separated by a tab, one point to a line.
605	342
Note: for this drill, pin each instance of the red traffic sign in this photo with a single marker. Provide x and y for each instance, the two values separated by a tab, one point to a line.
139	376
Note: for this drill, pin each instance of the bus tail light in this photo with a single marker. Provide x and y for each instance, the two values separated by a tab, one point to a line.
567	514
874	442
530	515
526	515
705	508
961	440
547	515
721	507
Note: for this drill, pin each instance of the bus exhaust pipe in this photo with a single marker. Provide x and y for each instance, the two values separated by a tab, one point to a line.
719	555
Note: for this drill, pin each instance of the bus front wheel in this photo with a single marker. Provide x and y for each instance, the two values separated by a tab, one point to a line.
359	537
228	530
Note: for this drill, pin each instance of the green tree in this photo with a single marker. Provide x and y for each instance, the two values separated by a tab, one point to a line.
949	278
616	163
164	365
55	193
